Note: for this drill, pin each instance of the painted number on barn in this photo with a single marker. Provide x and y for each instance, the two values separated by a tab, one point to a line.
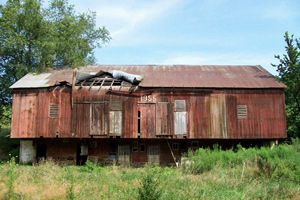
148	98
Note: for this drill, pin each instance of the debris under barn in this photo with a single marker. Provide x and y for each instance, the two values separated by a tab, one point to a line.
139	114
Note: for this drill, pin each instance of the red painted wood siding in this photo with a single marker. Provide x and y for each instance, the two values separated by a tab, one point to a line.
210	113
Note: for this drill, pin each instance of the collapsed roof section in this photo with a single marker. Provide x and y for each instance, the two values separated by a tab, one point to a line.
110	78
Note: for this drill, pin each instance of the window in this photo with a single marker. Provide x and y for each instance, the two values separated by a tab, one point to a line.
164	144
180	118
53	110
241	111
142	147
175	146
134	146
115	118
183	145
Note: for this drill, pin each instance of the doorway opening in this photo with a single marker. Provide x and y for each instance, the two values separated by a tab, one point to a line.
41	152
80	159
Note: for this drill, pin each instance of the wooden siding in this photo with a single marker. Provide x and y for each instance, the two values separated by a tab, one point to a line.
209	114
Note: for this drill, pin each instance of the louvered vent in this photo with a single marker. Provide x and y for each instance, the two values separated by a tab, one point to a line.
242	112
179	105
53	111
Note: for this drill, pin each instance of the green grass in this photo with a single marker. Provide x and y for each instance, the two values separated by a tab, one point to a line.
213	174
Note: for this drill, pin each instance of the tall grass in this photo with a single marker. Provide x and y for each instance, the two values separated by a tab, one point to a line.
280	162
213	174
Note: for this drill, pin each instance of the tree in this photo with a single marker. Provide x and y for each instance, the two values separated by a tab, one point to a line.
33	38
289	74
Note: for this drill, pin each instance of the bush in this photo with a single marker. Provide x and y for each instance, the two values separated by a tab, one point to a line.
149	188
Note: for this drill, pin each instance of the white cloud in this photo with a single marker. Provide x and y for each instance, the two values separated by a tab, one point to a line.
124	20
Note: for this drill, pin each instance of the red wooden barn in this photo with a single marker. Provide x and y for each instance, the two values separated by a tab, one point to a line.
144	113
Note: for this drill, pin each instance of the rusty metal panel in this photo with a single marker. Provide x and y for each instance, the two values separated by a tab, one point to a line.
99	119
164	116
193	76
148	127
115	123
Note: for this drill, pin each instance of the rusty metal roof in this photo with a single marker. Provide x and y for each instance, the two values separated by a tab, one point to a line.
195	76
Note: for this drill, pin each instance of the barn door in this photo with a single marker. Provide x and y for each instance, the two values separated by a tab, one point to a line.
147	120
124	155
153	154
99	124
218	116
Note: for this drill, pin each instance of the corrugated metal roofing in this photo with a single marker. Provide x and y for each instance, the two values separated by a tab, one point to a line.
196	76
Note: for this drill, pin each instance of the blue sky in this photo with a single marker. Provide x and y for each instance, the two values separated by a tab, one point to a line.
199	32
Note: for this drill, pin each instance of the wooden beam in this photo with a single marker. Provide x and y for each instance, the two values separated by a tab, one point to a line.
102	84
92	84
83	82
172	154
111	84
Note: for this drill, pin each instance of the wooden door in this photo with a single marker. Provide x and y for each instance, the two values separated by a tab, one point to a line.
124	155
153	154
147	120
99	115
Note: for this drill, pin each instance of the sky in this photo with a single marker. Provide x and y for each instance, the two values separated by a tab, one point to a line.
194	32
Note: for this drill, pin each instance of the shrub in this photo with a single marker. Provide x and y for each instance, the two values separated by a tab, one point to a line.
149	188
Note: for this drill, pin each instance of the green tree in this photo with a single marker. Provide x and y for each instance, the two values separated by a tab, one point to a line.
33	38
289	74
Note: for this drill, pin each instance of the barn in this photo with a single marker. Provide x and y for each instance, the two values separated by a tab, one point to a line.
135	114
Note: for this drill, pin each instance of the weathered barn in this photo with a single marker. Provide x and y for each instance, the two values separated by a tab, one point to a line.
149	114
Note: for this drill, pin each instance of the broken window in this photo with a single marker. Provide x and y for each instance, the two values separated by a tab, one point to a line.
115	118
142	147
180	121
241	111
134	146
53	110
175	146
